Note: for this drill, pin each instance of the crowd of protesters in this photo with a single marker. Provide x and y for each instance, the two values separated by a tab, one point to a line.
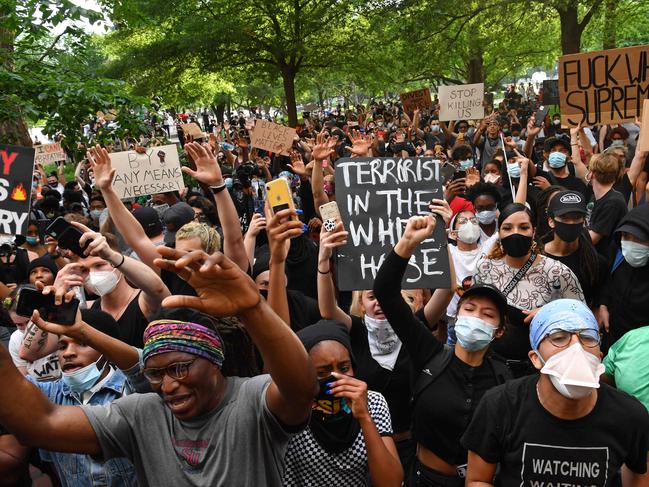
212	347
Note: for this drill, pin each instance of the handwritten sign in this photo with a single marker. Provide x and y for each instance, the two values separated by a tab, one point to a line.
376	196
48	153
156	171
603	87
416	99
272	137
643	138
192	129
16	172
461	102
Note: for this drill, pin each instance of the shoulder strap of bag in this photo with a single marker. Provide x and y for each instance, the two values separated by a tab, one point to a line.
519	275
432	370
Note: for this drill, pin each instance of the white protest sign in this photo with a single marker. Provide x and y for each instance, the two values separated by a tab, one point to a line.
155	171
461	102
47	153
272	137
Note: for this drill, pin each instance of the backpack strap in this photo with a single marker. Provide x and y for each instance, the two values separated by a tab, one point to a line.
619	258
499	368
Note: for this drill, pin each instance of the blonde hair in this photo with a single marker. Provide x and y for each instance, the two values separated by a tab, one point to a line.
356	307
606	167
210	239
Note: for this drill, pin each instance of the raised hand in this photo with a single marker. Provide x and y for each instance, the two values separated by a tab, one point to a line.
441	208
472	176
531	127
361	144
324	147
331	240
222	288
99	161
297	164
354	390
97	245
418	229
257	224
207	168
281	228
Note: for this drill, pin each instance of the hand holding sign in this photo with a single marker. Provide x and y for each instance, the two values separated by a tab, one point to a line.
207	168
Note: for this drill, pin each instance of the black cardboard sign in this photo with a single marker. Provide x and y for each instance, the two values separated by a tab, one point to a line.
376	197
16	173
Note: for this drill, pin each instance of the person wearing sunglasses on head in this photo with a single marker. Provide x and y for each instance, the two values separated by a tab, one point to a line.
561	427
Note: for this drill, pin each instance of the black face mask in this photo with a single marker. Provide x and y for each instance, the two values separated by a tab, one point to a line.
332	424
568	232
516	244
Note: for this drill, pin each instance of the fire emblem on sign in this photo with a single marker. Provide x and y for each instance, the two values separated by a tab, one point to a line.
19	193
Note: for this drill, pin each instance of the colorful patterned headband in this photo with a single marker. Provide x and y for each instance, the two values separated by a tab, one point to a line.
164	336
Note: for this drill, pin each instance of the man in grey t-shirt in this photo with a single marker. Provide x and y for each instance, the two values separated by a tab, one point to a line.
201	428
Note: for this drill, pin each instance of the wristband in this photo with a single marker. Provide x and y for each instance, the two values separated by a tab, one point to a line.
324	273
218	189
120	264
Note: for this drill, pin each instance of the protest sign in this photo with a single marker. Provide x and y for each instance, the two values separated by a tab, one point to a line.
416	99
643	138
376	196
17	166
155	171
551	92
192	129
603	87
461	102
272	137
47	153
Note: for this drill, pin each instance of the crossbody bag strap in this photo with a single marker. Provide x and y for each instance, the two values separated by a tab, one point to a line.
519	275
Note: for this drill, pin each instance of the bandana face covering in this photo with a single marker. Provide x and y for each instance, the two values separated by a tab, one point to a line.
384	342
332	424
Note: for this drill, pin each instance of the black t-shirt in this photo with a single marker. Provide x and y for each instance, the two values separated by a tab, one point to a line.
575	263
303	310
604	215
625	188
533	447
131	324
395	385
177	285
570	182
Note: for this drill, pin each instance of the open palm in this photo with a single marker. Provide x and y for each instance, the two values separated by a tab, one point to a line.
207	168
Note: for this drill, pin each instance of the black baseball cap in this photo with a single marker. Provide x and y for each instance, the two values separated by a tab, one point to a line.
550	142
149	220
567	202
636	222
490	292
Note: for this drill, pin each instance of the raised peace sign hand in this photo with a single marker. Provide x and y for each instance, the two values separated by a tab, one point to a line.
222	288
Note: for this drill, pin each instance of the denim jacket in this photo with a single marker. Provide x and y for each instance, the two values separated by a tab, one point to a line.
75	470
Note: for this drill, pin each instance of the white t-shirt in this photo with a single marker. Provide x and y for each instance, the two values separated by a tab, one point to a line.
44	369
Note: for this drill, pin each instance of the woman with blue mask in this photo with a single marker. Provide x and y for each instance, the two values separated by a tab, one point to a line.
460	374
624	305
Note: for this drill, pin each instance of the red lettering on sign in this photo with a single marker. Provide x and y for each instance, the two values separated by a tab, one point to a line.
7	161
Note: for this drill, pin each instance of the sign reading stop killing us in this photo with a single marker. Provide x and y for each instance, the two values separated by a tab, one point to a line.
603	87
376	197
461	102
16	173
155	171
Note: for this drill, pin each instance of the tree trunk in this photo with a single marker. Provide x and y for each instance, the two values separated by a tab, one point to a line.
570	29
288	77
475	66
610	25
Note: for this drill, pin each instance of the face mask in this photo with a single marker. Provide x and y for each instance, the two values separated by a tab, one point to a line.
380	123
617	143
228	183
516	244
557	160
486	217
637	255
332	424
568	232
514	170
516	138
102	282
472	333
491	178
53	185
469	233
556	122
574	372
383	341
434	128
466	164
83	379
31	240
95	214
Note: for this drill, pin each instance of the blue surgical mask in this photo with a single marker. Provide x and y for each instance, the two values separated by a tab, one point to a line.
83	379
636	254
516	138
514	170
434	128
618	143
472	333
95	214
464	165
31	240
557	160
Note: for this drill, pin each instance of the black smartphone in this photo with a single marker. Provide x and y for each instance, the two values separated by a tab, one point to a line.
448	172
30	298
540	115
459	175
67	236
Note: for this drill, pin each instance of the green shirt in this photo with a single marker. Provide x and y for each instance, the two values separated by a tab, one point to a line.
628	363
